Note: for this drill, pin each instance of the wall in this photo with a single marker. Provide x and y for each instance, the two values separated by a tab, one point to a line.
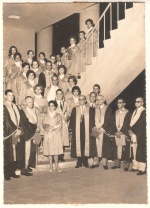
44	41
21	38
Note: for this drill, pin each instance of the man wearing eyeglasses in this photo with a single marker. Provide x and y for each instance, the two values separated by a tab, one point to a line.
121	144
80	124
138	137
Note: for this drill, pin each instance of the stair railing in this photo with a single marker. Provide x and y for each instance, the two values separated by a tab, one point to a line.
92	42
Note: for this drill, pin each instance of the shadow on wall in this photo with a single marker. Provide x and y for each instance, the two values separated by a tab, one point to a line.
135	89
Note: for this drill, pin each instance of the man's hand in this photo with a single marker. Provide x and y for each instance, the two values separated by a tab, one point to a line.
18	132
130	132
118	134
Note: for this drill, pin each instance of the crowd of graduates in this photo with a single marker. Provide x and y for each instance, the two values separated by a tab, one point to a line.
43	105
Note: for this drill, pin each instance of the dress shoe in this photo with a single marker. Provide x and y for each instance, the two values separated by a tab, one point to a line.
92	167
59	170
15	176
105	167
114	167
28	174
62	160
141	172
29	169
7	178
133	170
86	166
77	166
125	169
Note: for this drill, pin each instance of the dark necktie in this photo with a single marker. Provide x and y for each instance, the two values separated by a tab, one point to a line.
15	114
61	106
135	112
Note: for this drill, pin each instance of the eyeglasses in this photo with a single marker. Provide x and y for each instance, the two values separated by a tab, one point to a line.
137	101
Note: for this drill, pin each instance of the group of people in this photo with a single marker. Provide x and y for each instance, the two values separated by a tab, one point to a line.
44	106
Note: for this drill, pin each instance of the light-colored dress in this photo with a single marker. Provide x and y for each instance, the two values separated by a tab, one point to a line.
52	144
68	94
82	56
72	103
73	52
89	45
42	65
37	72
63	83
40	104
65	61
65	114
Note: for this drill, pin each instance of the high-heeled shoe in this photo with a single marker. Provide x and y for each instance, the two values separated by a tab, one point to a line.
59	170
50	170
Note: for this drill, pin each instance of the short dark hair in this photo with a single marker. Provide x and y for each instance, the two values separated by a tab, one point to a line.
29	52
97	85
91	21
59	90
120	98
74	79
17	54
63	47
48	61
54	102
72	36
30	72
52	55
38	85
28	97
64	67
7	91
9	52
54	76
25	64
92	93
42	54
76	88
34	60
82	32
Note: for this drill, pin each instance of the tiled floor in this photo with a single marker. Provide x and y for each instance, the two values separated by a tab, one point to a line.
77	186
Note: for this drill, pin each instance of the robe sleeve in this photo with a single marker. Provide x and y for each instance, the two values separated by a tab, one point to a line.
9	127
126	124
27	127
72	119
42	80
108	125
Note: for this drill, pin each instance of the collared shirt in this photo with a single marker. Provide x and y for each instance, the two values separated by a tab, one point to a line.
33	116
101	106
92	105
52	93
121	110
60	101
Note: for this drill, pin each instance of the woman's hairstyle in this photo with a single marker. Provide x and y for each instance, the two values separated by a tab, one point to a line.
76	88
64	67
97	85
25	64
30	72
82	32
34	60
10	52
29	52
54	102
38	85
73	78
42	53
91	21
17	54
72	36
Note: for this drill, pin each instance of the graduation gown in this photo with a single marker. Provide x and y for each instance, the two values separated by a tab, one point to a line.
139	129
81	131
107	135
124	130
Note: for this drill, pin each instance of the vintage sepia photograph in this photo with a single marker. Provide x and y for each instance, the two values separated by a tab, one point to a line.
74	103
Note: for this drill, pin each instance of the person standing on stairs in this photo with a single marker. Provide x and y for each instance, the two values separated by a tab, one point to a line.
104	127
121	143
64	110
52	145
137	133
96	90
90	26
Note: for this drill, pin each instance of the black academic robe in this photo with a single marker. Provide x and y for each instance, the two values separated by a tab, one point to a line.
124	130
28	132
108	128
9	129
139	129
92	140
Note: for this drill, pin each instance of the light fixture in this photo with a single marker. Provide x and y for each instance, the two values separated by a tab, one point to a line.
14	17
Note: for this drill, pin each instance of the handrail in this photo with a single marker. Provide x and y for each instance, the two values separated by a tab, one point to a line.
96	25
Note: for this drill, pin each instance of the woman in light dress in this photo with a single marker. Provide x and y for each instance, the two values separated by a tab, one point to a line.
35	67
52	146
63	79
42	61
82	47
73	52
72	81
91	38
74	101
30	57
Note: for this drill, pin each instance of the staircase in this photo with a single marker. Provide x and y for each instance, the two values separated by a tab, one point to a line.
117	64
121	60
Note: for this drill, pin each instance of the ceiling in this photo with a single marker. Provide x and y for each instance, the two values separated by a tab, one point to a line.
37	16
